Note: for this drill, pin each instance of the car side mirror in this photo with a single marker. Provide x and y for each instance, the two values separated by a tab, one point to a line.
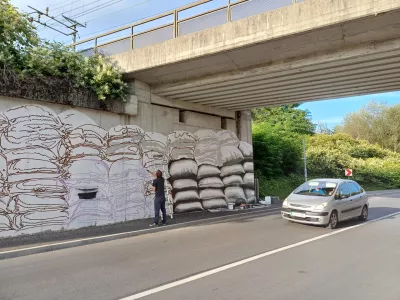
337	196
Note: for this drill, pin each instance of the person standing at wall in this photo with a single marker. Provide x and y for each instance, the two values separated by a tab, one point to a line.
159	200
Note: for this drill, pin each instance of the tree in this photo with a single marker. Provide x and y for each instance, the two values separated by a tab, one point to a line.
323	128
277	139
18	36
288	118
275	154
376	123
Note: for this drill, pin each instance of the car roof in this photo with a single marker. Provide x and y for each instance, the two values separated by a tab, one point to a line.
333	180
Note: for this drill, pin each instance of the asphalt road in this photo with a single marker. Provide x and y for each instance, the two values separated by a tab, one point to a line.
360	262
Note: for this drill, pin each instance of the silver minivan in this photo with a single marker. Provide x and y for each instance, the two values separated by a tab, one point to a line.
326	202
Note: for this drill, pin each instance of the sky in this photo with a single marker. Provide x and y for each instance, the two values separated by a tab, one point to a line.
332	112
104	15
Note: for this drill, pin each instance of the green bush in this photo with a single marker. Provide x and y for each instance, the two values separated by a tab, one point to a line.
374	167
276	153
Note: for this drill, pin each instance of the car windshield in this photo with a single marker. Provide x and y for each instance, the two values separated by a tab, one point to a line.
316	188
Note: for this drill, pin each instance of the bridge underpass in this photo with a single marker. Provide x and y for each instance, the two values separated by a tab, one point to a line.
314	50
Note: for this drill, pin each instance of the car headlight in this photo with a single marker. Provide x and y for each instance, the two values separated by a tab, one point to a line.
284	203
321	206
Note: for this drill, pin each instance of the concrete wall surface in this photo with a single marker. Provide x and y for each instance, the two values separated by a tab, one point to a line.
64	168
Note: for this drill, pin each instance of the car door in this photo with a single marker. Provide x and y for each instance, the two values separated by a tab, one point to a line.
343	202
356	199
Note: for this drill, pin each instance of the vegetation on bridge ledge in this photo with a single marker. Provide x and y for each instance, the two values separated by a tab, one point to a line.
24	59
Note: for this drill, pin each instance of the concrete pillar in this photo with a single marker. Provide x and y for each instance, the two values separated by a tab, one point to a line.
244	131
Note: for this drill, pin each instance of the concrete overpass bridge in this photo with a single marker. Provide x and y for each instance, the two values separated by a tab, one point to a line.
316	49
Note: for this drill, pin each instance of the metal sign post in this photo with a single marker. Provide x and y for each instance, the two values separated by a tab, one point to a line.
305	160
348	172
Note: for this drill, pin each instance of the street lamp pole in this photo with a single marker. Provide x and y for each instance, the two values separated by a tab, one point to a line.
305	159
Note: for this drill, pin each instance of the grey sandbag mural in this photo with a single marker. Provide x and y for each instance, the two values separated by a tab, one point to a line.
65	172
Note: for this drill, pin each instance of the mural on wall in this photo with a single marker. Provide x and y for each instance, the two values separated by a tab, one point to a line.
65	172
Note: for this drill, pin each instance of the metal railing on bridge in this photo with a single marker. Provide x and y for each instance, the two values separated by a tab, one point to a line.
170	25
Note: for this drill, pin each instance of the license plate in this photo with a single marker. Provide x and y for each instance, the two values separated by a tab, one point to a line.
298	215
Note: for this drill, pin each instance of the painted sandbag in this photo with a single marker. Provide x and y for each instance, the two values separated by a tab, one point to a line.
154	142
186	196
125	134
184	184
211	183
235	195
230	155
5	223
181	139
207	147
181	145
248	180
188	207
184	168
246	149
248	167
208	194
250	195
214	203
181	153
233	180
232	170
208	171
227	138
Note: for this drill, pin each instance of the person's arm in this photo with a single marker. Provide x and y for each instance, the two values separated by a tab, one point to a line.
154	185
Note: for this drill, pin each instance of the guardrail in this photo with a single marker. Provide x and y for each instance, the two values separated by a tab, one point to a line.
170	25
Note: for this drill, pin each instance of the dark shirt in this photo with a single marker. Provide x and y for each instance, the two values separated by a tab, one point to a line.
158	183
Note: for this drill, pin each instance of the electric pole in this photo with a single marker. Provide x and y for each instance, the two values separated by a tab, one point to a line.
71	26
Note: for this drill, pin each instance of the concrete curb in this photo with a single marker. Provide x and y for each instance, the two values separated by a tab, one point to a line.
382	193
93	240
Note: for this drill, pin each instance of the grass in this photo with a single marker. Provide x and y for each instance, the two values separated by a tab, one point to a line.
280	187
371	188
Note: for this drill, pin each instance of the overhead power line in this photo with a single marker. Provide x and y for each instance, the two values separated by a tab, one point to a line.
90	10
58	7
104	5
120	25
71	26
70	10
78	7
137	4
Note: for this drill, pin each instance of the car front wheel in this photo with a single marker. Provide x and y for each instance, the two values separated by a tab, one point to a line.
364	214
333	220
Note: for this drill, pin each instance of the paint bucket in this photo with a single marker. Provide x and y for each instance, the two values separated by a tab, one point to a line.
231	206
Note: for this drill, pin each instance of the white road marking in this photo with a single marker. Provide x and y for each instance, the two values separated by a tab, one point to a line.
245	261
139	231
